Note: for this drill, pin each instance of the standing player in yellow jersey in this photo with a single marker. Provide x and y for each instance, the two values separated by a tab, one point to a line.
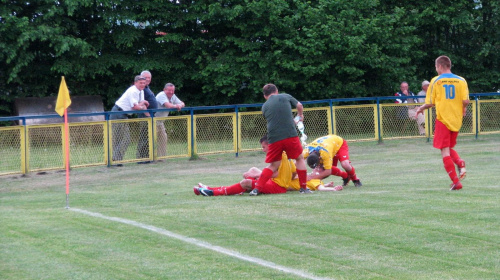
450	95
327	151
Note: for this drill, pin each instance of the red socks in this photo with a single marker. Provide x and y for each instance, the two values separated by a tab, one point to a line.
449	166
230	190
337	172
352	174
302	178
264	176
456	158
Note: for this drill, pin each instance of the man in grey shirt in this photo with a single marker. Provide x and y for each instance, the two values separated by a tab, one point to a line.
282	135
423	92
166	100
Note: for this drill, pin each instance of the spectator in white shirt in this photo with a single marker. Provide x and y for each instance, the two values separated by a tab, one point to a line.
132	99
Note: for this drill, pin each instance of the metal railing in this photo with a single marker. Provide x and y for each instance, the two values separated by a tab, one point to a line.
26	148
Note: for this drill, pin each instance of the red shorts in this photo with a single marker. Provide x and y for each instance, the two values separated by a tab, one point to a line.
342	154
443	137
270	187
291	146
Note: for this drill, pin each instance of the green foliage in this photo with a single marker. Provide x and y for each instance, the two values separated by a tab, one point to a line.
223	52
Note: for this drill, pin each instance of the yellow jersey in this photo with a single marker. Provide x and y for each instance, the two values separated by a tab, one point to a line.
327	146
311	184
446	92
285	171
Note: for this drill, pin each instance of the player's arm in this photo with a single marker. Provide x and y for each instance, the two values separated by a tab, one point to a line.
300	110
424	107
465	103
319	173
429	99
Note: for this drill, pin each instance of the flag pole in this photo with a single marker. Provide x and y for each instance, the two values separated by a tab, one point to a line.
62	104
66	140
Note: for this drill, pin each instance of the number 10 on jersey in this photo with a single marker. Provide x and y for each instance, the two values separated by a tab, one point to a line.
450	91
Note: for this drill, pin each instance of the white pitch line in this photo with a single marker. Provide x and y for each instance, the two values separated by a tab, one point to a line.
204	244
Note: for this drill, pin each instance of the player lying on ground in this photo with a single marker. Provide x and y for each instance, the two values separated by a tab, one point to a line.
281	181
248	184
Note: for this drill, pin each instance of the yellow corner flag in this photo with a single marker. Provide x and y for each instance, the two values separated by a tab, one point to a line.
63	100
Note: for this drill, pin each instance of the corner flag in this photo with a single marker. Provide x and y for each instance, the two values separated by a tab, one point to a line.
62	104
63	100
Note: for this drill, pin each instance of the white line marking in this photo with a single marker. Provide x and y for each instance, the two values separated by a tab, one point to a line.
204	244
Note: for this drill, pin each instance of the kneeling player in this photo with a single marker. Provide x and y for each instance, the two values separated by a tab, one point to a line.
326	151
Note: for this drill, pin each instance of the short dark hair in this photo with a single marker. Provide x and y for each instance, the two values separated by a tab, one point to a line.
444	61
313	159
269	89
263	139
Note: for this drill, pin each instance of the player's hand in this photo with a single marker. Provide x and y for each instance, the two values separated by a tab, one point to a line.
329	185
419	111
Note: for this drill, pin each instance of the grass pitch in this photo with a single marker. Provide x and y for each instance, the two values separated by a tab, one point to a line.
403	223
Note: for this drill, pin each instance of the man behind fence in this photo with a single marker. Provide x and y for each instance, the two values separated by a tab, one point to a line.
132	99
166	100
143	145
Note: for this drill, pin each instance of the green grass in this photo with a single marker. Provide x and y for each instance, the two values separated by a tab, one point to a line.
403	223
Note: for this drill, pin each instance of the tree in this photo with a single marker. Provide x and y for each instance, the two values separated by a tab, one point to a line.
464	30
223	52
323	49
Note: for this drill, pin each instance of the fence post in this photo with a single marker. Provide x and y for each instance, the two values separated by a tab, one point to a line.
332	127
152	149
24	156
192	133
476	98
378	122
237	130
106	117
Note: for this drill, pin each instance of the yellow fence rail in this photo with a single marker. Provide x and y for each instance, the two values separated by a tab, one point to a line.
30	148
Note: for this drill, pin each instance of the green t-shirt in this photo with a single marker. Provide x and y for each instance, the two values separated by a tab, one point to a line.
278	113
